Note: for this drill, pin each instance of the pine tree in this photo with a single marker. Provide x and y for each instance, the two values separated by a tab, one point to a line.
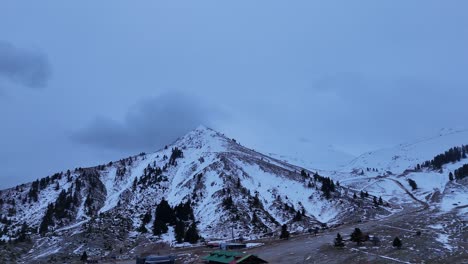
380	200
84	257
227	202
284	232
451	176
142	228
413	184
397	243
147	217
254	218
135	182
256	201
191	235
176	153
339	241
165	213
179	231
47	220
356	236
297	217
159	227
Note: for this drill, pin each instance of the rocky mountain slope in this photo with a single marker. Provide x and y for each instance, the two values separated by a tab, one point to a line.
206	186
230	190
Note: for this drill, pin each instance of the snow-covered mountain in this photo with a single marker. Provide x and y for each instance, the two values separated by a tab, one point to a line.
225	188
406	156
387	172
230	188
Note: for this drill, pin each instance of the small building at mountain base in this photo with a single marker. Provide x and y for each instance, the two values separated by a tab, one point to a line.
231	257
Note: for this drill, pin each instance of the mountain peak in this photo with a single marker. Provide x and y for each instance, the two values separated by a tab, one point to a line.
202	128
203	138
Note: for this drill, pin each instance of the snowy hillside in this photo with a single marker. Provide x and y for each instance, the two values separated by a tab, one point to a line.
230	189
206	185
406	156
388	173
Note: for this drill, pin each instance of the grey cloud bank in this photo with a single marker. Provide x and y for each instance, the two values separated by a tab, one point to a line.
27	68
150	124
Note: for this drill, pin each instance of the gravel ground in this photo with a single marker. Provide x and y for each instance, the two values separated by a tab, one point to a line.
428	247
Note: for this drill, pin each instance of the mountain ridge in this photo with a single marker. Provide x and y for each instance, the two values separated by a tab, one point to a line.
228	188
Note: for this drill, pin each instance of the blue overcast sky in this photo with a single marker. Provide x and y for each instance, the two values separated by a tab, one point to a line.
86	82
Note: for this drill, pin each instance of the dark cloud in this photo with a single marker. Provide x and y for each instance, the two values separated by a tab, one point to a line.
150	124
27	68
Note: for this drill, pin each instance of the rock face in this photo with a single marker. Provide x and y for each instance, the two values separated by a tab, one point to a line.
230	190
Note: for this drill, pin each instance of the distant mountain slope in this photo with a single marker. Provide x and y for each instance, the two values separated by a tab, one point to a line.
406	156
388	173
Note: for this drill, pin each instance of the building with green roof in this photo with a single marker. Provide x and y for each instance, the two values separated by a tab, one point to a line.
232	257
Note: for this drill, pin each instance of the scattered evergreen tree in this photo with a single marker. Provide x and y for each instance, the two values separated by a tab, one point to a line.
380	200
227	202
179	231
356	236
397	243
339	241
184	211
191	235
284	232
451	176
143	229
413	184
84	257
254	218
135	182
461	172
297	217
454	154
146	218
176	153
165	213
375	201
23	234
47	220
34	191
256	201
159	227
328	186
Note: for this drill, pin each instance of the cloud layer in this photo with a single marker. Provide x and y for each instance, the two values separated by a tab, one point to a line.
149	125
27	68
